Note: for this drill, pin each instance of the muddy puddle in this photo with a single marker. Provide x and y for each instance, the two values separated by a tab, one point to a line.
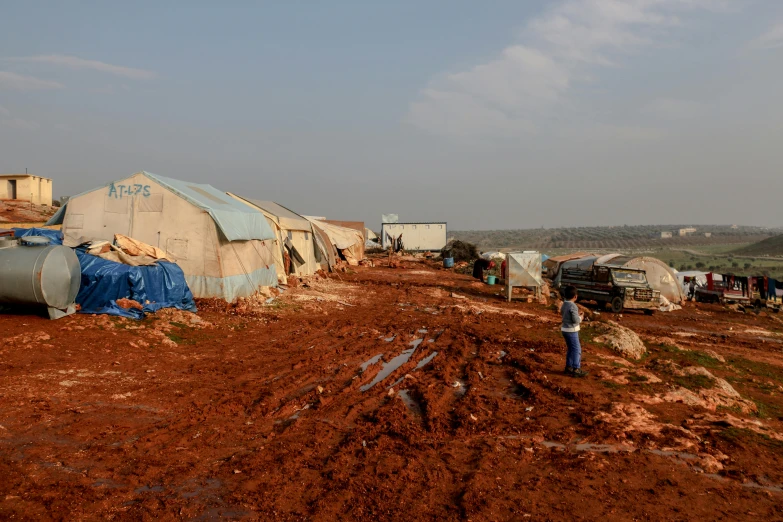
389	367
369	362
426	360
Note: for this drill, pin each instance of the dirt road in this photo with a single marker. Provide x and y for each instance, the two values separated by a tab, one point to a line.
389	394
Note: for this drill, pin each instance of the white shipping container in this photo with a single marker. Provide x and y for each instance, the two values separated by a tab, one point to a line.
415	236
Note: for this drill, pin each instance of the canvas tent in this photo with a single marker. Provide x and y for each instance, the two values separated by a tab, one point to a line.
552	264
224	248
659	275
348	242
289	225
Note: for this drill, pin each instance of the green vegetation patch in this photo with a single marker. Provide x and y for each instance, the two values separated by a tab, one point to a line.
691	357
757	369
176	338
180	325
695	382
743	437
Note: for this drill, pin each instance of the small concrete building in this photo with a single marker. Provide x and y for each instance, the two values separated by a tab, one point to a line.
26	187
666	235
686	231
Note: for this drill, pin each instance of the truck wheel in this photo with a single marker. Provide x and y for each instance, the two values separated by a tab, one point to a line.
617	305
649	312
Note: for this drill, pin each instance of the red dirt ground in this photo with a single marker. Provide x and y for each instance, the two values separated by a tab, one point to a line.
258	411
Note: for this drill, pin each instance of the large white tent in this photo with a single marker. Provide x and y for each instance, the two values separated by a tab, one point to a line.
225	248
298	231
348	242
659	275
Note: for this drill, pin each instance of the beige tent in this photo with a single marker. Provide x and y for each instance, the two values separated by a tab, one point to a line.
348	242
659	275
289	225
552	264
225	248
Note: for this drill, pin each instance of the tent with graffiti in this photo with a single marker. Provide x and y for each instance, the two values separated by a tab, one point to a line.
225	248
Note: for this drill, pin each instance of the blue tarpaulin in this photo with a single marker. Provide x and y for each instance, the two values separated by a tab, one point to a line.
104	282
55	236
154	287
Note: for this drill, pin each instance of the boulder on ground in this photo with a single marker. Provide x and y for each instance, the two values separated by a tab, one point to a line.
621	339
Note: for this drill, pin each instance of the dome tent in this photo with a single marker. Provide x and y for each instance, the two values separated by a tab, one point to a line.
659	275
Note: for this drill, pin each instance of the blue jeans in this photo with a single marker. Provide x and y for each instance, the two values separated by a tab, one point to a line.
574	349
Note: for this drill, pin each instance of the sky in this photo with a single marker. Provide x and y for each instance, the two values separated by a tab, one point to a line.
487	115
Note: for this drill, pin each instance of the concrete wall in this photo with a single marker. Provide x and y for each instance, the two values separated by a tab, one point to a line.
416	236
27	187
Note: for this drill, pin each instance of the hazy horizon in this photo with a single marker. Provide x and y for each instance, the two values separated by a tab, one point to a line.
511	116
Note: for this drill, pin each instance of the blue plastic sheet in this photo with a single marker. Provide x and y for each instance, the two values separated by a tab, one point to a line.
154	287
103	282
55	236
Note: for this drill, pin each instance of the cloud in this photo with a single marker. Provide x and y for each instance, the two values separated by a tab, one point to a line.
20	124
558	50
772	39
672	109
17	82
74	62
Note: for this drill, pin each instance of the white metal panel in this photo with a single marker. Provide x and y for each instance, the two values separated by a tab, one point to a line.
523	270
416	236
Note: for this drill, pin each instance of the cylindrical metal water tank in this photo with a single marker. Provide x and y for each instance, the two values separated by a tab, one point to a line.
34	272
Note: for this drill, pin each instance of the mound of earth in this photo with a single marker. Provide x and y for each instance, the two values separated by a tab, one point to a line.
16	211
621	339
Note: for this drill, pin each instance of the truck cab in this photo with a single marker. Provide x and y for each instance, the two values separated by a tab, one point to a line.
619	287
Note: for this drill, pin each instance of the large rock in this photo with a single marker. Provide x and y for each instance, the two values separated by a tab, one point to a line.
620	339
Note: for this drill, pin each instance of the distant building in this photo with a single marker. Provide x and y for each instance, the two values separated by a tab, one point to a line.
26	187
708	234
734	227
686	231
415	236
666	235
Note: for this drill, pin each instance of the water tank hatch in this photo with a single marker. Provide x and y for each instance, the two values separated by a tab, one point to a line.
35	241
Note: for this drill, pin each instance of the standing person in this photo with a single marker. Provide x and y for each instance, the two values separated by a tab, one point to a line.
479	266
570	329
692	289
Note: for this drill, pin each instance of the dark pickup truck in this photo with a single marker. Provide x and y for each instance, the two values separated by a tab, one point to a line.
619	287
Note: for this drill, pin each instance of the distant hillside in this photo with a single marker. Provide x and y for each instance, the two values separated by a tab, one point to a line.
772	246
619	237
